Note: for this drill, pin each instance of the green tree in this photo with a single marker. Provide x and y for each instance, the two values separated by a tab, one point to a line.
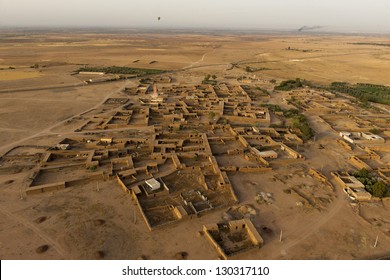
379	189
375	130
362	173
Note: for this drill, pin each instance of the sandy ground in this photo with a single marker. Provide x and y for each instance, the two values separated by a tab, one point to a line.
317	58
17	75
23	114
78	223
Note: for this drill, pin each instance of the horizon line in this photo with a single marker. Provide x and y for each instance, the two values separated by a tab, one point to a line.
192	29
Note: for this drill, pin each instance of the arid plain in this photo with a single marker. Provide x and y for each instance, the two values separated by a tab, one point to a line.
43	100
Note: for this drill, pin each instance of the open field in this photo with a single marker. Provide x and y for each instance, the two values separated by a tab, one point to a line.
199	142
317	58
8	75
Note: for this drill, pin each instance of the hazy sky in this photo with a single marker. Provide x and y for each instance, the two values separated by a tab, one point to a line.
352	15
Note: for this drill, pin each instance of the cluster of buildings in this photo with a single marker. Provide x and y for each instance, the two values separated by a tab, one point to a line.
172	150
358	130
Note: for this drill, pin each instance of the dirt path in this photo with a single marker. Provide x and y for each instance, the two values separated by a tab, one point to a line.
37	231
196	62
323	133
48	129
306	231
42	88
313	227
249	60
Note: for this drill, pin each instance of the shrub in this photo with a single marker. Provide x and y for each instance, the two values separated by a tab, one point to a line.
379	189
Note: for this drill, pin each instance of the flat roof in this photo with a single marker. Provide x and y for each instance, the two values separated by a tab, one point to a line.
153	184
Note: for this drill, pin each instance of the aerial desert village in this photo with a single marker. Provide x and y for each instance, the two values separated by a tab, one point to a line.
172	148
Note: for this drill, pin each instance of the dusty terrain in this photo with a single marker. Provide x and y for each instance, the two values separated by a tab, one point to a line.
41	105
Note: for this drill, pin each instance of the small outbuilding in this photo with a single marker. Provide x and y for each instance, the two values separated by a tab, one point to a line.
153	184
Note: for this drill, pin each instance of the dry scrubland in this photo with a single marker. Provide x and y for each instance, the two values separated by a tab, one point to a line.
41	105
318	58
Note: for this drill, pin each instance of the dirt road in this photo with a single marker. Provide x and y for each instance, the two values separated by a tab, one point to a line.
4	148
306	231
